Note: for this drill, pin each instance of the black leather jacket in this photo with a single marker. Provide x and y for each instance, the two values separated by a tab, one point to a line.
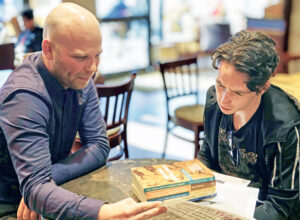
278	158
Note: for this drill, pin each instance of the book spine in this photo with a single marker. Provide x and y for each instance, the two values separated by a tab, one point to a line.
168	191
202	180
149	189
190	189
166	186
192	197
199	186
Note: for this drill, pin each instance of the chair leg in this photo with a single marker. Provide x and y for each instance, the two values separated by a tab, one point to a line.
125	143
125	148
196	141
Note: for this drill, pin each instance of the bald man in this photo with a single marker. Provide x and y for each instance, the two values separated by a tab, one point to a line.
45	101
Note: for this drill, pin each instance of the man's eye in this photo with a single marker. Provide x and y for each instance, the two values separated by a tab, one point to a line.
219	85
80	58
239	94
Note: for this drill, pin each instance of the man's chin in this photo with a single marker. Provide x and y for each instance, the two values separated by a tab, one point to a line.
80	86
226	111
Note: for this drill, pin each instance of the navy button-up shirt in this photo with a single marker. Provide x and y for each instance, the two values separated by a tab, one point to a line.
38	123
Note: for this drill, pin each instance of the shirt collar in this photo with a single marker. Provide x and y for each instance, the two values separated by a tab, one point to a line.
52	84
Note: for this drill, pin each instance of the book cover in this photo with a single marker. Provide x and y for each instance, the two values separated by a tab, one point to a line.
182	178
190	189
195	196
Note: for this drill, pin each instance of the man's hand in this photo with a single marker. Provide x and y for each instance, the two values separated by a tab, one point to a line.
24	213
129	209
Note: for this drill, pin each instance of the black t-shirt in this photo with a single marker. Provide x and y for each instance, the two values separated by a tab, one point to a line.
238	150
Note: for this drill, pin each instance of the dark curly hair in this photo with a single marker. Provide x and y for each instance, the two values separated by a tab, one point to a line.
27	13
252	53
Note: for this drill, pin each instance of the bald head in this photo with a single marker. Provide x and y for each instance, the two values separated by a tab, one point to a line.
69	19
72	45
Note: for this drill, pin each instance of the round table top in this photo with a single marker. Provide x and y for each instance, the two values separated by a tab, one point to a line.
109	183
112	182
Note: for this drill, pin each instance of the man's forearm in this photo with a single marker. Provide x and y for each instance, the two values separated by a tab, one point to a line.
81	162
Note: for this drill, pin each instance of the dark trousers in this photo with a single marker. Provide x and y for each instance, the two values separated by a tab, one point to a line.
8	210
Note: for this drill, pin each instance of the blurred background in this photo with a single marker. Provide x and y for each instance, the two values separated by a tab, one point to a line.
139	33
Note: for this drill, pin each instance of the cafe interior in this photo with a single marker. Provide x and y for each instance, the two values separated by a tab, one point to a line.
144	41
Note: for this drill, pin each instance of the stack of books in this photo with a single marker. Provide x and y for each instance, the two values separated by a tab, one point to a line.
189	180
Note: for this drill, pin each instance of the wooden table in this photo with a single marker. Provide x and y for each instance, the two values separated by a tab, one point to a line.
110	183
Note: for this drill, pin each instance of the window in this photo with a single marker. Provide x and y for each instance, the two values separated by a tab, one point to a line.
125	28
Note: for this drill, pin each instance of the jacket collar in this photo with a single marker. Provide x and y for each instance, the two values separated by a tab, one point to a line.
281	113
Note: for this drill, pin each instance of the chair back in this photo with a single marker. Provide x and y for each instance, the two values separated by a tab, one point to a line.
180	78
7	56
114	105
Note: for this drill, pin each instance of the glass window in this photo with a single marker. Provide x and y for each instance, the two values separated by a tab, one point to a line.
125	30
156	21
9	9
183	19
41	9
124	45
121	8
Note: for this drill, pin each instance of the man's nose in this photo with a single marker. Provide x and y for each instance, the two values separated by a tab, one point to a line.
226	97
92	65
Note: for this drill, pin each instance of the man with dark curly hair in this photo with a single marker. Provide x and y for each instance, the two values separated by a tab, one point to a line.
252	127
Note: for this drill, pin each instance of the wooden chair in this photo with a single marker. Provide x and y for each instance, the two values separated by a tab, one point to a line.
181	79
7	56
114	104
290	62
283	31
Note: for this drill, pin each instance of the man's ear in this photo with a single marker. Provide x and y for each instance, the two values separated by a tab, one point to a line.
265	87
47	49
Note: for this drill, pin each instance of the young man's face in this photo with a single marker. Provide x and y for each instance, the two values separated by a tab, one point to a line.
28	23
232	93
75	60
